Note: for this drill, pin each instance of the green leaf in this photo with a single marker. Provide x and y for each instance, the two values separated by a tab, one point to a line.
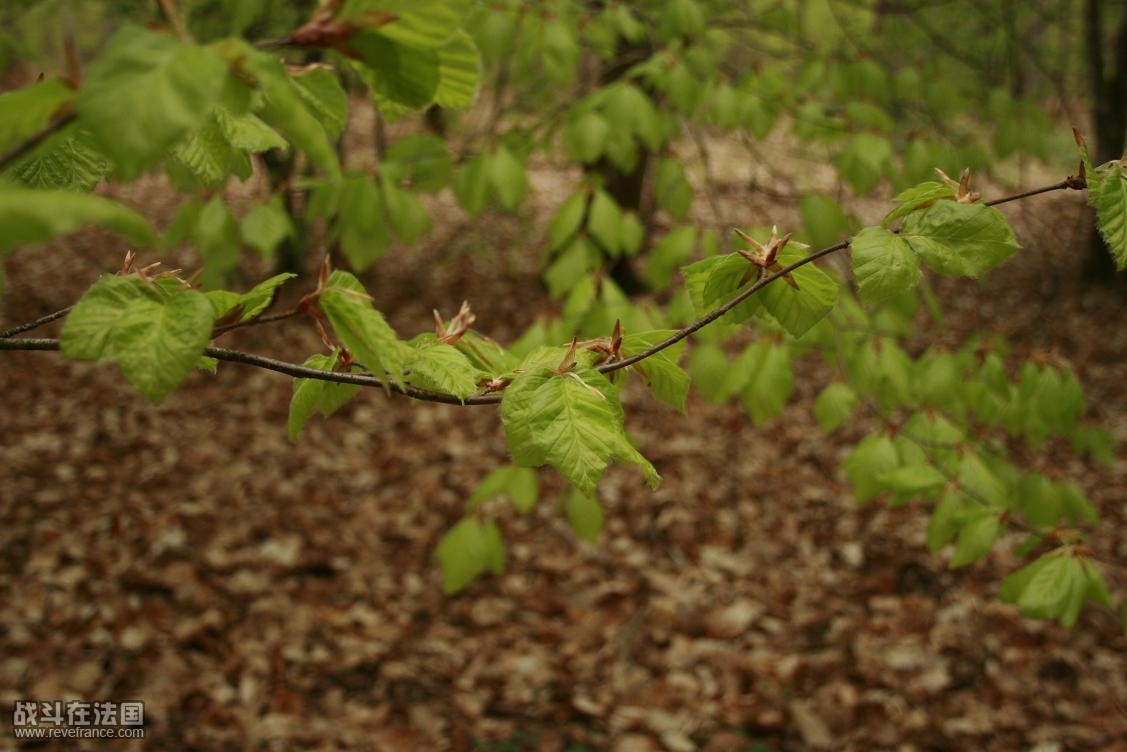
361	221
668	382
285	106
361	327
258	298
584	137
517	484
570	266
319	87
216	236
884	265
156	345
87	329
71	163
567	220
406	212
506	175
865	159
631	233
145	92
311	395
585	515
467	550
709	368
24	112
604	222
459	67
912	479
1110	200
799	310
426	163
917	197
471	184
724	275
573	421
874	455
418	23
673	192
266	225
975	540
824	219
770	381
31	215
960	239
405	75
516	416
673	250
834	405
946	519
440	367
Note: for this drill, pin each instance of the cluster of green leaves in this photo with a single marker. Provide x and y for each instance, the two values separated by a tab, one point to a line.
199	111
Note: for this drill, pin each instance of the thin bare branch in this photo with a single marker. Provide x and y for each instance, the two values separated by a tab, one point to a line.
35	324
363	379
21	149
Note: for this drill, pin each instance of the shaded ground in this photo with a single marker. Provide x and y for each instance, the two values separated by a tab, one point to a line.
258	595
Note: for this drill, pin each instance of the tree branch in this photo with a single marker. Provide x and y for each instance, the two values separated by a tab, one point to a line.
35	324
7	342
21	149
290	369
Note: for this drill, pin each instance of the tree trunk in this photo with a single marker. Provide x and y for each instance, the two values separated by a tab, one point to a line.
626	187
1109	111
291	252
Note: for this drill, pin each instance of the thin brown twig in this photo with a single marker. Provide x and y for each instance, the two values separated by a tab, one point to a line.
290	369
298	371
255	322
35	324
18	151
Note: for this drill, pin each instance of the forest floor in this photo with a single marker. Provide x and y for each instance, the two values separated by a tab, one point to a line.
260	595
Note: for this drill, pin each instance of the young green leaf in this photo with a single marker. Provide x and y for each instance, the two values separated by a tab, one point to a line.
769	383
604	223
797	310
584	137
673	250
960	239
834	405
440	367
157	345
1110	199
266	225
145	92
361	327
518	484
572	421
874	455
32	215
87	329
311	395
976	538
467	550
884	264
567	220
585	515
506	176
917	197
459	68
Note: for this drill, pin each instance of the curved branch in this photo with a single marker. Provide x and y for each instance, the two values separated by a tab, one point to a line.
29	143
365	379
35	324
290	369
